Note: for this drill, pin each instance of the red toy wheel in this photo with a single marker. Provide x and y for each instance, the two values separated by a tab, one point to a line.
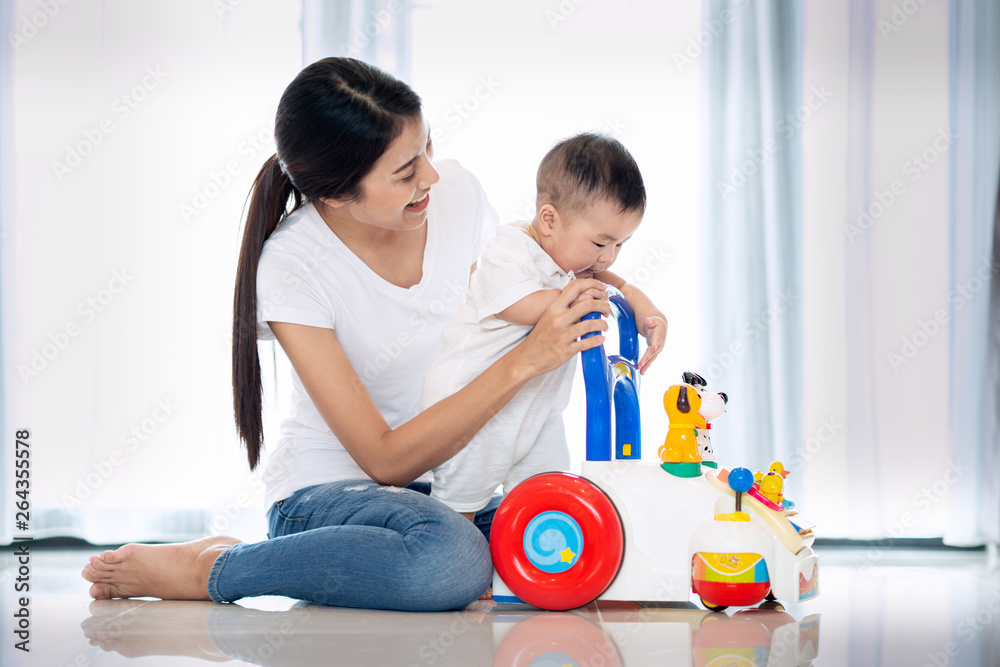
557	541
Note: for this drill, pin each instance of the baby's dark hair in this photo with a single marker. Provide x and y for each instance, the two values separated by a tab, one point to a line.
586	167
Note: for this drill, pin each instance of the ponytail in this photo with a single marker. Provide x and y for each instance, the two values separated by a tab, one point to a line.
334	121
268	203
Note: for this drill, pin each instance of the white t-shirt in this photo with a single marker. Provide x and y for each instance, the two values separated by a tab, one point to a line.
308	276
512	267
526	435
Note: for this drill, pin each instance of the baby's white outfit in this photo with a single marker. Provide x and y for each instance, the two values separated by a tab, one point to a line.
526	436
307	275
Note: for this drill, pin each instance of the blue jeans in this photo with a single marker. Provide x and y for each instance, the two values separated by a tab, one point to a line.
354	543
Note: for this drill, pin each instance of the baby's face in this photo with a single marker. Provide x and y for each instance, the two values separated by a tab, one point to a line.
588	242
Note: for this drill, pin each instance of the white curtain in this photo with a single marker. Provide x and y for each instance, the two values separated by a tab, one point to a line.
894	443
876	375
974	399
6	214
752	228
861	429
131	133
376	31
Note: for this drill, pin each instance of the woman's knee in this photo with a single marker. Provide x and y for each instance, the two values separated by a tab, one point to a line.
452	570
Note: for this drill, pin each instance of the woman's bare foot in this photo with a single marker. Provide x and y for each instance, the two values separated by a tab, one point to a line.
167	571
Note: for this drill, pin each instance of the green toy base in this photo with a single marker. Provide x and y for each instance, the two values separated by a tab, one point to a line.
711	464
682	469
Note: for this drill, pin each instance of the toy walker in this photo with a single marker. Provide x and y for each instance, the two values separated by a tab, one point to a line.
630	530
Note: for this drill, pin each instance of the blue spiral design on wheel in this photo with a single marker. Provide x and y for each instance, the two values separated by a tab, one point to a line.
553	542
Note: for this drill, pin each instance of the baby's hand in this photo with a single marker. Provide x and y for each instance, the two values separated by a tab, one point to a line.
590	293
656	334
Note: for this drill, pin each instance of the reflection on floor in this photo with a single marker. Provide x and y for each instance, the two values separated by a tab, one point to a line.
876	608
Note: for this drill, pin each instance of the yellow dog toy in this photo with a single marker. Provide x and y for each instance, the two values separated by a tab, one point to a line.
679	452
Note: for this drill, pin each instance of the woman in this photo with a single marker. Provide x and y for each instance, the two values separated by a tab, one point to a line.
355	284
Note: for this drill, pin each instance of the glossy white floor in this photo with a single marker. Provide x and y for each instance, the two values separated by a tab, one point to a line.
875	608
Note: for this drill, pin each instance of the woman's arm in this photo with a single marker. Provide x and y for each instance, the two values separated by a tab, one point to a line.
398	456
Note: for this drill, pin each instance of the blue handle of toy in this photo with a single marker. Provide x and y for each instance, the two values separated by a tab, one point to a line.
599	382
628	336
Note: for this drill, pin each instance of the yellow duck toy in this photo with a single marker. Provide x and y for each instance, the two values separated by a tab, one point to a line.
679	452
772	483
770	487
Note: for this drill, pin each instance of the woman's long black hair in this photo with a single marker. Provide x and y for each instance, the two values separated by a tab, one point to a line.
333	123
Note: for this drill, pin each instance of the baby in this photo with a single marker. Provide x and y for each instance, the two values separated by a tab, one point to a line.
590	200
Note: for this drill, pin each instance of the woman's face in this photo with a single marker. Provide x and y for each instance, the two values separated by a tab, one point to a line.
396	193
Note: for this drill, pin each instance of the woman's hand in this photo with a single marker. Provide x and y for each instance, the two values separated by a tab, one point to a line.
558	335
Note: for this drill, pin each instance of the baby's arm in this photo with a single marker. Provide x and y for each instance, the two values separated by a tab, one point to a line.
649	321
529	309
